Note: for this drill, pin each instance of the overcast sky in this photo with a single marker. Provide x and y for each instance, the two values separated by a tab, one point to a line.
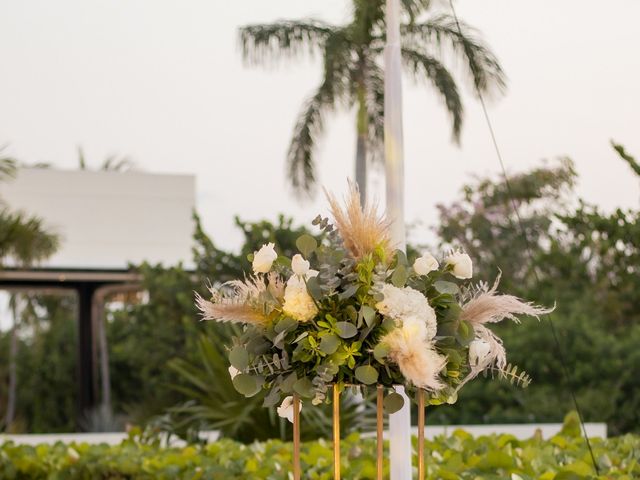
163	83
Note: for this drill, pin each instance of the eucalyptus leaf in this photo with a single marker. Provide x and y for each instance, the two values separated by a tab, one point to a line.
380	352
367	374
306	244
349	292
303	387
313	287
286	324
239	358
369	314
443	286
399	277
329	344
245	384
393	402
346	329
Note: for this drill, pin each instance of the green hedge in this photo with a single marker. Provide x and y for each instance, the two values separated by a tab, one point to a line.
460	456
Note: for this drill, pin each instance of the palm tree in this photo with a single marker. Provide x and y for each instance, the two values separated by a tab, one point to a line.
23	240
353	77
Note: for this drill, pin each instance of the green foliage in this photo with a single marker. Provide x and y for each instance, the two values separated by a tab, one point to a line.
459	456
586	261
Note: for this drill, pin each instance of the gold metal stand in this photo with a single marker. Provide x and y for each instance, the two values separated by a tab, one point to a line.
379	431
336	432
296	437
421	472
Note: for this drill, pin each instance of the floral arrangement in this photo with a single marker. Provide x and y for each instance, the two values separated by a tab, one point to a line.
364	316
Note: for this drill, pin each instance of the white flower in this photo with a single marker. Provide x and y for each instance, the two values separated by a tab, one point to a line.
264	258
233	372
299	265
405	306
478	351
425	264
461	263
298	304
285	410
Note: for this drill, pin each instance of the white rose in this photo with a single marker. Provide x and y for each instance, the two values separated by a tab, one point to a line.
425	264
233	372
299	265
461	263
285	410
478	351
264	258
298	304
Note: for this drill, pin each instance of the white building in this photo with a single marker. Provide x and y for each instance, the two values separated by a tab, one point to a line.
107	220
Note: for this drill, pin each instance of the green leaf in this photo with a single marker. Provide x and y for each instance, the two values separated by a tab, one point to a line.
287	384
284	261
401	258
393	402
245	384
380	352
313	287
272	399
349	292
465	333
399	277
303	387
286	324
369	314
443	286
346	329
306	244
367	374
329	344
239	358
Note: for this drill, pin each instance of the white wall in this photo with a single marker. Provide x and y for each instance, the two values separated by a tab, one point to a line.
108	219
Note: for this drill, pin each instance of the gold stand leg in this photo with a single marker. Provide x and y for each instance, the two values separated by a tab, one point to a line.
379	431
421	471
336	432
296	437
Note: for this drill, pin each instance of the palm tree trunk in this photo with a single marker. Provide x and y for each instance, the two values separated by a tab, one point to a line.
361	143
13	371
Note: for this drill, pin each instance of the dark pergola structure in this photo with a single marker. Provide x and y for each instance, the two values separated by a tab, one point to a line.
91	287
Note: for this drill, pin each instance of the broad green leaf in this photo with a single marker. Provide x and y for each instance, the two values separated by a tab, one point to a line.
303	387
369	314
349	292
399	276
393	402
306	244
346	329
443	286
239	358
401	258
286	324
313	287
367	374
465	333
329	344
380	352
245	384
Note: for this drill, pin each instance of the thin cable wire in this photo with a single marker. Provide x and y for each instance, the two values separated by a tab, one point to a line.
529	249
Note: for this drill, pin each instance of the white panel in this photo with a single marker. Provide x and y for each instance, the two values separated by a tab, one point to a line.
109	219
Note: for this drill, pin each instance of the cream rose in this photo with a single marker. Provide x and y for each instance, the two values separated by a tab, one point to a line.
264	258
285	410
299	265
298	304
461	264
425	264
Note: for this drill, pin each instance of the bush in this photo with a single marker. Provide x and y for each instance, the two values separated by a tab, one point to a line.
458	456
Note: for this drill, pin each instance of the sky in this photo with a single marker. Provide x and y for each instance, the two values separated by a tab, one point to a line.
163	83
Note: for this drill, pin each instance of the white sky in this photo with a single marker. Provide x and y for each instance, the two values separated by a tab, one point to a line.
162	82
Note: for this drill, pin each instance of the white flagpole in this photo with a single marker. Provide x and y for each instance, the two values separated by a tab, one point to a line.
399	422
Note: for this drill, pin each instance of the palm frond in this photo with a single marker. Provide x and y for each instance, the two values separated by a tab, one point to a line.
283	39
442	31
309	127
24	238
423	66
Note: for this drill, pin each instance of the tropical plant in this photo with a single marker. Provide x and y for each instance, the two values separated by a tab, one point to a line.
354	79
